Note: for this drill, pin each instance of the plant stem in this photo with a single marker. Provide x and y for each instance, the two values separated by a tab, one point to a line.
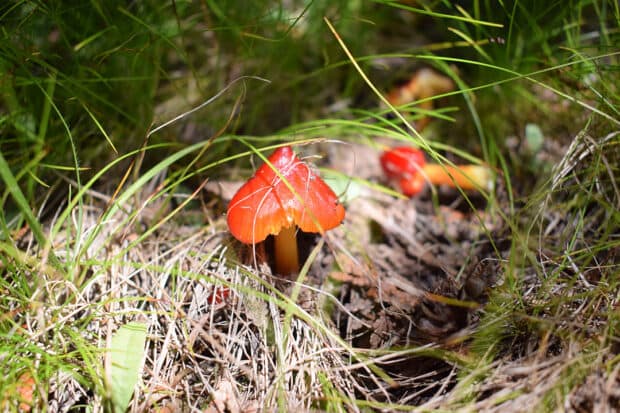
465	176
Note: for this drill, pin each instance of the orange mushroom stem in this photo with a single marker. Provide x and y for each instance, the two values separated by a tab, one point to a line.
286	251
465	176
276	203
408	166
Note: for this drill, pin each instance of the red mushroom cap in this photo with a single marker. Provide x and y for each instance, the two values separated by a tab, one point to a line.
265	204
402	162
412	186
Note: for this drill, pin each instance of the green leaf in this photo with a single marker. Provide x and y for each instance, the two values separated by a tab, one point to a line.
346	187
534	138
127	355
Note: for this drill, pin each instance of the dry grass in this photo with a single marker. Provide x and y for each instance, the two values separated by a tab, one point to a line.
213	329
226	337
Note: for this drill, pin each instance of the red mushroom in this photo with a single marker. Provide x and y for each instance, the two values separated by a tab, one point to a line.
408	166
271	203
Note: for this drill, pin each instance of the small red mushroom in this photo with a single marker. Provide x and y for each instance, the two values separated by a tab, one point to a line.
271	203
408	166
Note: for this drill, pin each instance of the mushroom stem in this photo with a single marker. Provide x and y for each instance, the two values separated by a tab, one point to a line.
465	176
285	251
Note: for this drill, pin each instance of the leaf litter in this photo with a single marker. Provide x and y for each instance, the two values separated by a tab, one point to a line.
400	280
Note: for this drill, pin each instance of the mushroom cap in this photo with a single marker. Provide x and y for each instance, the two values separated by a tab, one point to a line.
412	186
402	162
265	204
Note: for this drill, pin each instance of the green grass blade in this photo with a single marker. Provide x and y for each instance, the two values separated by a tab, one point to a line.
12	186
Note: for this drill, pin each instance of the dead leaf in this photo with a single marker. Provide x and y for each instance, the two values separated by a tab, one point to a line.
393	289
224	399
24	392
383	327
224	189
